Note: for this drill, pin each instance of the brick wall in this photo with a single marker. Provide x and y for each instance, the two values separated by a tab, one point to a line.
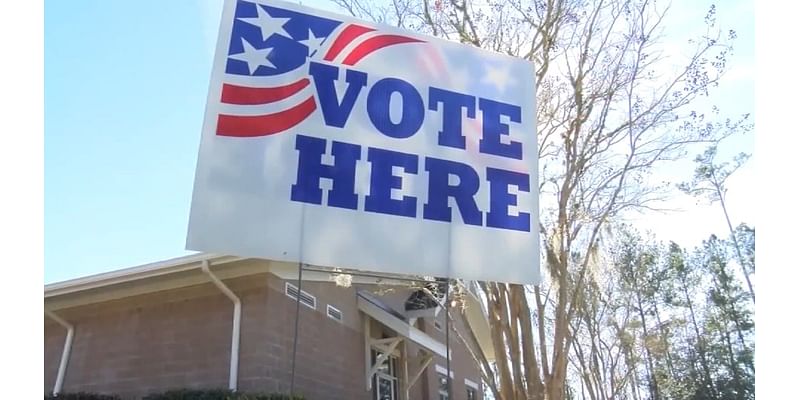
181	338
147	343
461	364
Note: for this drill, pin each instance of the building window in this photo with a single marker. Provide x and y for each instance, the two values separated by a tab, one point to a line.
472	389
385	385
437	325
441	375
334	313
443	393
305	298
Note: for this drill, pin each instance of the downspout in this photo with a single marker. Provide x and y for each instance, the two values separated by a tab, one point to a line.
62	366
237	319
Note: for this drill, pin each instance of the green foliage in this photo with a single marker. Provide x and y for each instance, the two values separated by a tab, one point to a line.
181	394
746	238
81	396
270	396
216	394
709	182
193	394
682	321
709	177
730	321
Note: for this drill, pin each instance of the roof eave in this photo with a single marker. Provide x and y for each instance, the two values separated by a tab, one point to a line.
164	267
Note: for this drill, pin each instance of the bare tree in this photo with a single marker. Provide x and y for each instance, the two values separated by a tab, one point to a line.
612	105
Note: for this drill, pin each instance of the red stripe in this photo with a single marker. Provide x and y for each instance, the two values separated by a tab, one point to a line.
233	94
375	43
264	125
348	35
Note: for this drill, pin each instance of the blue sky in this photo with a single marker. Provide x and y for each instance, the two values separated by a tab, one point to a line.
125	90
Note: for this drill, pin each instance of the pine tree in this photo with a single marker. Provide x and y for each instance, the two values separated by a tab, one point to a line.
729	320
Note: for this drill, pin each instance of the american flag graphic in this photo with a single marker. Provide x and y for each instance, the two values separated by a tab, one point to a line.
266	87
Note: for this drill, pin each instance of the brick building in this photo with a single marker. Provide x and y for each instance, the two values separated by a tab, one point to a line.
206	321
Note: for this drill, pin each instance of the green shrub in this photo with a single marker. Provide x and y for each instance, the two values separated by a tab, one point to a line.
216	394
180	394
268	396
193	394
81	396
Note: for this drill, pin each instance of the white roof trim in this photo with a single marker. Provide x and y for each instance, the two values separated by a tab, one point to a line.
401	327
129	274
286	270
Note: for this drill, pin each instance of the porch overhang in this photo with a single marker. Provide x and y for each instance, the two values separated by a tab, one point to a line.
391	320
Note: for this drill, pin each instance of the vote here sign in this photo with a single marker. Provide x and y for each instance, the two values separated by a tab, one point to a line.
338	142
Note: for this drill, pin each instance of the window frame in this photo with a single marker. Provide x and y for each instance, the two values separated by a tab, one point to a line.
443	394
472	387
392	376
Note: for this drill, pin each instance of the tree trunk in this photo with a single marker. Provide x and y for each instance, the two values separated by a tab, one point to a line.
532	372
652	371
729	310
633	373
701	349
664	342
737	378
653	384
495	324
733	237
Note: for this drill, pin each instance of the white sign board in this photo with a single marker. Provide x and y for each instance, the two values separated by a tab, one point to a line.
337	142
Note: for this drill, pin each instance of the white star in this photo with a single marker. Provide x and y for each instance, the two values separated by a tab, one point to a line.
499	77
269	25
313	42
254	57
